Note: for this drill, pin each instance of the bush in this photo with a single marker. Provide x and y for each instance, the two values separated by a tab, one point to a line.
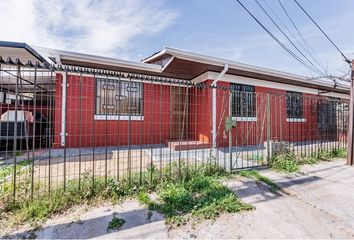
284	162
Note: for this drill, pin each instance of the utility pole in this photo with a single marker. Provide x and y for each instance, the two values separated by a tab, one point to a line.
350	159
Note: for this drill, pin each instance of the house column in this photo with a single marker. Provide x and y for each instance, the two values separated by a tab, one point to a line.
213	104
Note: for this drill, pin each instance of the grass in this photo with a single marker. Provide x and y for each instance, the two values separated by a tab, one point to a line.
252	174
199	197
183	193
174	185
327	155
115	223
289	163
7	170
284	162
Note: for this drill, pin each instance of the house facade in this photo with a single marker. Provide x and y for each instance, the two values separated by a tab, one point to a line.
174	96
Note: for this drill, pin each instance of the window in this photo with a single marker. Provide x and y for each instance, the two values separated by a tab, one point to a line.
294	105
243	101
115	97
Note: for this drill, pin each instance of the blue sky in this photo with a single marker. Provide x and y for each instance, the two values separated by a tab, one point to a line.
134	29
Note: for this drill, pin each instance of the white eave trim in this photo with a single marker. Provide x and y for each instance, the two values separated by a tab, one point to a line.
111	62
196	57
263	83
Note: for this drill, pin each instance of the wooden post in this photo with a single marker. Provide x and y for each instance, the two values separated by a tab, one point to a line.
350	156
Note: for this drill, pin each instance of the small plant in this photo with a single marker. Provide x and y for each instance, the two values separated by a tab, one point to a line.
199	197
308	160
339	153
284	162
7	170
252	174
182	194
115	223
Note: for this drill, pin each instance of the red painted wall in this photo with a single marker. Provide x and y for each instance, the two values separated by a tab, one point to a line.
155	128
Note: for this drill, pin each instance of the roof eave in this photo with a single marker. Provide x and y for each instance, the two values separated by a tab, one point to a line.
111	62
186	55
25	46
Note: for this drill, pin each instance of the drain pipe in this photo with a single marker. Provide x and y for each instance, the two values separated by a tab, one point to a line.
63	110
213	103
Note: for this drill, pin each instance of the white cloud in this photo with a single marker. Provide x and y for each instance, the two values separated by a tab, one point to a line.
105	27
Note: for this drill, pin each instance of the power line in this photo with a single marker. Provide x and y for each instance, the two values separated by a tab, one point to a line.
308	15
306	46
286	36
276	39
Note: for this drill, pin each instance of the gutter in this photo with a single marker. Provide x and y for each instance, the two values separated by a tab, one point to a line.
109	61
24	46
213	104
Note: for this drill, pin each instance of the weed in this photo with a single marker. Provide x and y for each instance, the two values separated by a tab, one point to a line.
183	193
329	154
7	170
149	215
199	197
312	159
115	223
284	162
252	174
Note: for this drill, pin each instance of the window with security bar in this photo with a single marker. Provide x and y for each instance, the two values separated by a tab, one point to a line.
294	105
243	101
117	97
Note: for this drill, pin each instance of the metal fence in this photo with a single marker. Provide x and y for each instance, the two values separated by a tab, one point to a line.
66	124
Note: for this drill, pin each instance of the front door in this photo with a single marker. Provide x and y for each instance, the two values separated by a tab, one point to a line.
179	113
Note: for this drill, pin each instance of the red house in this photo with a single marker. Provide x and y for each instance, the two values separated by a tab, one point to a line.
176	98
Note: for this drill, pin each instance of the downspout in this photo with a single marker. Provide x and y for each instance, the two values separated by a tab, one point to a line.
63	110
213	103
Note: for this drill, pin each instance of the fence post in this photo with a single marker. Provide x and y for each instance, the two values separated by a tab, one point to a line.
230	130
18	76
268	128
350	133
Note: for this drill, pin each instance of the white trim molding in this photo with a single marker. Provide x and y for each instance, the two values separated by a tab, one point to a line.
118	117
263	83
244	119
296	120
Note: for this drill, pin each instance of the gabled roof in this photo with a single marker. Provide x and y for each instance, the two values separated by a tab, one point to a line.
170	62
173	60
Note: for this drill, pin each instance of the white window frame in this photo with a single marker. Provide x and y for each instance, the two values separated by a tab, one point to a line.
245	119
295	120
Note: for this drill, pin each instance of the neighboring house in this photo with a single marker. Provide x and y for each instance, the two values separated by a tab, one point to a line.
176	95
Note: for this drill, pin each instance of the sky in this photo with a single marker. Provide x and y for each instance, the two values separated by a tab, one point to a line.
135	29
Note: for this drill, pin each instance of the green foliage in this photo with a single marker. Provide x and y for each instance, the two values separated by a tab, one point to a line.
333	153
199	197
312	159
252	174
284	162
115	223
7	170
91	191
287	162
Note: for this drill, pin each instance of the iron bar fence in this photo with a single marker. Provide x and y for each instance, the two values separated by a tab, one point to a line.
66	125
